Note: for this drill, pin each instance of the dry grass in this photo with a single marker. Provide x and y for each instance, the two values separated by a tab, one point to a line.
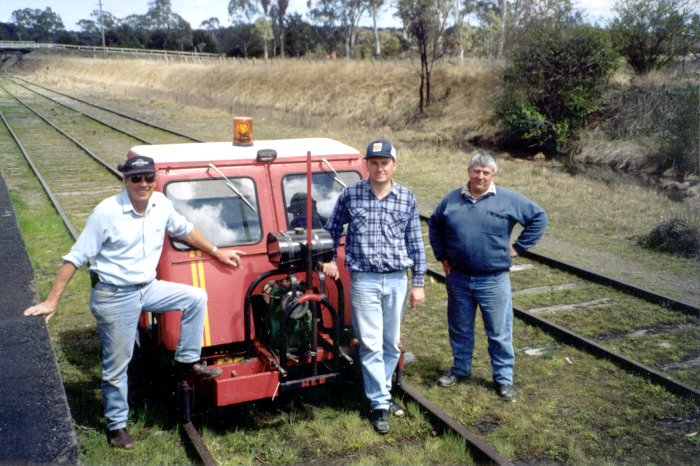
379	95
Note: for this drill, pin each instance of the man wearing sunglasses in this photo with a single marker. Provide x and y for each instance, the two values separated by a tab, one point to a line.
122	241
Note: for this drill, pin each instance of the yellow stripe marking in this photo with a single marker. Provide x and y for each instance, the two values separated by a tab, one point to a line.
199	282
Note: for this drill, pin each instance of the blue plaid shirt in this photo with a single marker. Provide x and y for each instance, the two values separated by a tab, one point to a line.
383	235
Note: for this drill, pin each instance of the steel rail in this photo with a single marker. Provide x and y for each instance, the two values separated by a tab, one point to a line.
205	456
95	119
42	181
107	109
482	452
66	135
647	295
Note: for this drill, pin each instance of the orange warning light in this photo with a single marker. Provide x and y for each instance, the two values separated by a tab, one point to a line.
242	131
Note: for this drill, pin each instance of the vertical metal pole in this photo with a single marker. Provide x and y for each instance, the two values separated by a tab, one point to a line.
309	267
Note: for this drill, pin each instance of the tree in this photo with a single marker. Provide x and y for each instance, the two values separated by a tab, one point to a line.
281	12
36	24
249	9
374	7
301	37
204	42
652	33
554	84
169	31
160	14
263	30
426	21
342	14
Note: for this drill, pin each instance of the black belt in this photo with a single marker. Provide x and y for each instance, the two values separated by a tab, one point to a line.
95	279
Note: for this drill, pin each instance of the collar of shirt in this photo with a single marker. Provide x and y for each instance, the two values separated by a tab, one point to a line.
393	191
128	206
468	195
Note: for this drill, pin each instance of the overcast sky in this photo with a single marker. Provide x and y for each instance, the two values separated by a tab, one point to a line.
196	11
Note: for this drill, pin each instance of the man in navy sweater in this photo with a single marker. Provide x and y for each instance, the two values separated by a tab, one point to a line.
470	234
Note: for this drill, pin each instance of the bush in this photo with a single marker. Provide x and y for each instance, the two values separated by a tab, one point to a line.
674	236
553	85
664	119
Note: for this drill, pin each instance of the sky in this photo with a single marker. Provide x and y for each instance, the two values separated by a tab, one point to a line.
196	11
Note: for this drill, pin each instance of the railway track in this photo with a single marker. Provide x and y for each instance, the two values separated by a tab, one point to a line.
71	148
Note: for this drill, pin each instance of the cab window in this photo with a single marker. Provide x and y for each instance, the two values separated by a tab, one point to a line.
222	215
325	189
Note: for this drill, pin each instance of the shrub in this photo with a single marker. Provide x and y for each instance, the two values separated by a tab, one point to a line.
664	119
553	85
674	236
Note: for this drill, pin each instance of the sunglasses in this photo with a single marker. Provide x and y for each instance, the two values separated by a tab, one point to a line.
138	178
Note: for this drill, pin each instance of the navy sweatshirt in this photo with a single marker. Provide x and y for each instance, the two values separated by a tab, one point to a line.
475	236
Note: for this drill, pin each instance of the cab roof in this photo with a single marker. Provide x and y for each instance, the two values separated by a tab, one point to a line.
205	152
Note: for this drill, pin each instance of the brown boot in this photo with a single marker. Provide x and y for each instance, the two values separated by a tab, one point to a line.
120	438
197	371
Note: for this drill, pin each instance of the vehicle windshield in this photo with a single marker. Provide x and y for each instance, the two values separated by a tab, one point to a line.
325	189
221	214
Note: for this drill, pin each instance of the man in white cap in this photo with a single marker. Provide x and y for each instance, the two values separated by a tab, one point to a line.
383	241
122	241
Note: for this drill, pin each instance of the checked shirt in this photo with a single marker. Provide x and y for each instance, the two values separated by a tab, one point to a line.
383	235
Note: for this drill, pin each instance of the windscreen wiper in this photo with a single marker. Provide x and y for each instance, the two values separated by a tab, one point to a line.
335	173
233	188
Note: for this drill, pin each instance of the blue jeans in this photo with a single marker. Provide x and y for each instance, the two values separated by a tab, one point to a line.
377	301
117	311
493	295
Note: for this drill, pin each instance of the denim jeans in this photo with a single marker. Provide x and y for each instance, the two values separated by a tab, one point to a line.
493	295
117	311
378	301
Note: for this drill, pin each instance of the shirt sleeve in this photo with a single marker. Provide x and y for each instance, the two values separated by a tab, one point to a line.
89	242
335	222
534	221
436	232
415	248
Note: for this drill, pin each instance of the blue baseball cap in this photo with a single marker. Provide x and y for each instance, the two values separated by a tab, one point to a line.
137	165
380	148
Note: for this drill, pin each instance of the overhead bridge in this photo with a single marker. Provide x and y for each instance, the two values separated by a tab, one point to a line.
13	47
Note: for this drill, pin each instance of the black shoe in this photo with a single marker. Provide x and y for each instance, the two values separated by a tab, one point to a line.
450	379
380	421
197	371
396	409
120	438
506	392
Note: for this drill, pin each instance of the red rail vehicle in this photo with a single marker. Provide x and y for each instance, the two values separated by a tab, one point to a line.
276	323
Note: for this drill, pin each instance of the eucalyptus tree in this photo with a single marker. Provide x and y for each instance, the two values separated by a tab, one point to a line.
652	33
211	25
249	9
36	24
343	14
374	7
426	21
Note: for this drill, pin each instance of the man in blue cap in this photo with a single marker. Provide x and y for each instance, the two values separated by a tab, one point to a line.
122	241
383	241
